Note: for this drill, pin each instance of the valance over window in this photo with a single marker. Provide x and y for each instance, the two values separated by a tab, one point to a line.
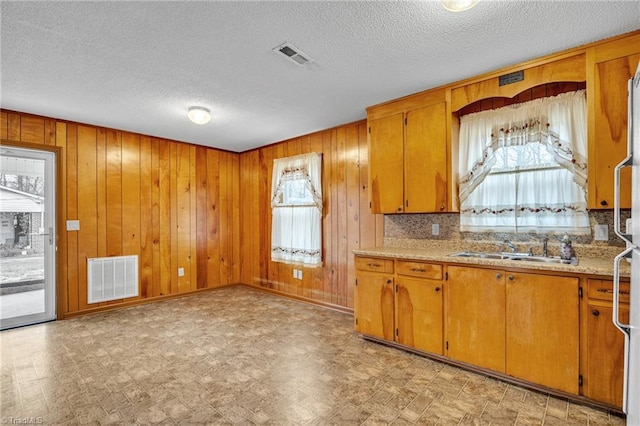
296	202
523	168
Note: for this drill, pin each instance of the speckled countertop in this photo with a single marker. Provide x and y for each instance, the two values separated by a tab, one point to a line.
439	251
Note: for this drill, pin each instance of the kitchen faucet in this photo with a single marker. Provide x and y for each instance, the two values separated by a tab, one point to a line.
545	253
511	246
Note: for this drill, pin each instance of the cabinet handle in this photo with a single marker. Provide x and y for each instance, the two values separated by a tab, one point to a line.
437	289
400	208
441	206
608	290
374	265
603	203
388	281
595	312
511	277
498	276
417	270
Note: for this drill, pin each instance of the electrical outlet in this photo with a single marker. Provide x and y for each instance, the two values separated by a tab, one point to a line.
435	229
299	274
181	272
73	225
295	273
601	233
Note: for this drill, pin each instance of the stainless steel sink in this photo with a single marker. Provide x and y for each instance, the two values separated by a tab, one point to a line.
516	257
481	255
550	259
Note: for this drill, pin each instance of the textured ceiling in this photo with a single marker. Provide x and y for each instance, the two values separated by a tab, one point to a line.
138	66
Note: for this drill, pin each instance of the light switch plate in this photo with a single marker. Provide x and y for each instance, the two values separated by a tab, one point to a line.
181	272
601	233
73	225
435	229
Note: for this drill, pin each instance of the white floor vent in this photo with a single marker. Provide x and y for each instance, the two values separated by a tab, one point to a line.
111	278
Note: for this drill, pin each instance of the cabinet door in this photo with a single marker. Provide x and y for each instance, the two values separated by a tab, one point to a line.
386	139
476	317
610	140
605	354
373	305
543	330
425	175
419	314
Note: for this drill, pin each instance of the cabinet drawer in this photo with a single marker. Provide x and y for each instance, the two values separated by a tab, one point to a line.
420	269
374	264
603	290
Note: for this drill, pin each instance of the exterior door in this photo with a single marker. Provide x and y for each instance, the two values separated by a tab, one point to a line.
27	237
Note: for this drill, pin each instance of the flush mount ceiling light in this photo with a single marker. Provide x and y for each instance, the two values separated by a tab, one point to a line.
199	115
458	5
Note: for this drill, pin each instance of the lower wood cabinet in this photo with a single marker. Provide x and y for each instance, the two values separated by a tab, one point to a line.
405	307
604	355
523	324
476	317
373	304
543	330
418	306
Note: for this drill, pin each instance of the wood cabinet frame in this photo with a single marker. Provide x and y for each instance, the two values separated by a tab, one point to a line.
573	65
389	267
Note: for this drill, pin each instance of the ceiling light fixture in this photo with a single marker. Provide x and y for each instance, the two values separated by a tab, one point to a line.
458	5
199	115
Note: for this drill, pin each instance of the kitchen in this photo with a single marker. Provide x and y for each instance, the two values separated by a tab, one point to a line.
232	245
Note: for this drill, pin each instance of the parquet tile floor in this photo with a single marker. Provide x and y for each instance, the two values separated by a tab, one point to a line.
237	356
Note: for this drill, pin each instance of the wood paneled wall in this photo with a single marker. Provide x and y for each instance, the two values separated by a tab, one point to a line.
205	210
171	203
347	222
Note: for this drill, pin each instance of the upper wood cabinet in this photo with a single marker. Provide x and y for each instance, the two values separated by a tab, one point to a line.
386	164
413	140
568	68
408	156
609	66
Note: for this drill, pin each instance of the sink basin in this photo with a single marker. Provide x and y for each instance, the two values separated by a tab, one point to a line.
546	260
515	256
481	255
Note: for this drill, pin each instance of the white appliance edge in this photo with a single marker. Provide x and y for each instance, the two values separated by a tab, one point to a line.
631	403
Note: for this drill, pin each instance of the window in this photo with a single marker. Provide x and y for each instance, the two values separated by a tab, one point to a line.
523	167
296	202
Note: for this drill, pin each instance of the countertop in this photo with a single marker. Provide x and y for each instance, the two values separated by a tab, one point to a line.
440	253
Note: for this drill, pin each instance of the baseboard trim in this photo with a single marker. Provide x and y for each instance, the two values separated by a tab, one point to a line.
128	304
137	302
327	305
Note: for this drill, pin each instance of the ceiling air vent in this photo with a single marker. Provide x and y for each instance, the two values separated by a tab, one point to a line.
292	53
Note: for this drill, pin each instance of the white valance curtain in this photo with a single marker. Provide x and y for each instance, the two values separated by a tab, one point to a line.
523	168
296	202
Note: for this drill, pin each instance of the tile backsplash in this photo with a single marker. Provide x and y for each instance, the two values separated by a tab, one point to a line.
417	227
